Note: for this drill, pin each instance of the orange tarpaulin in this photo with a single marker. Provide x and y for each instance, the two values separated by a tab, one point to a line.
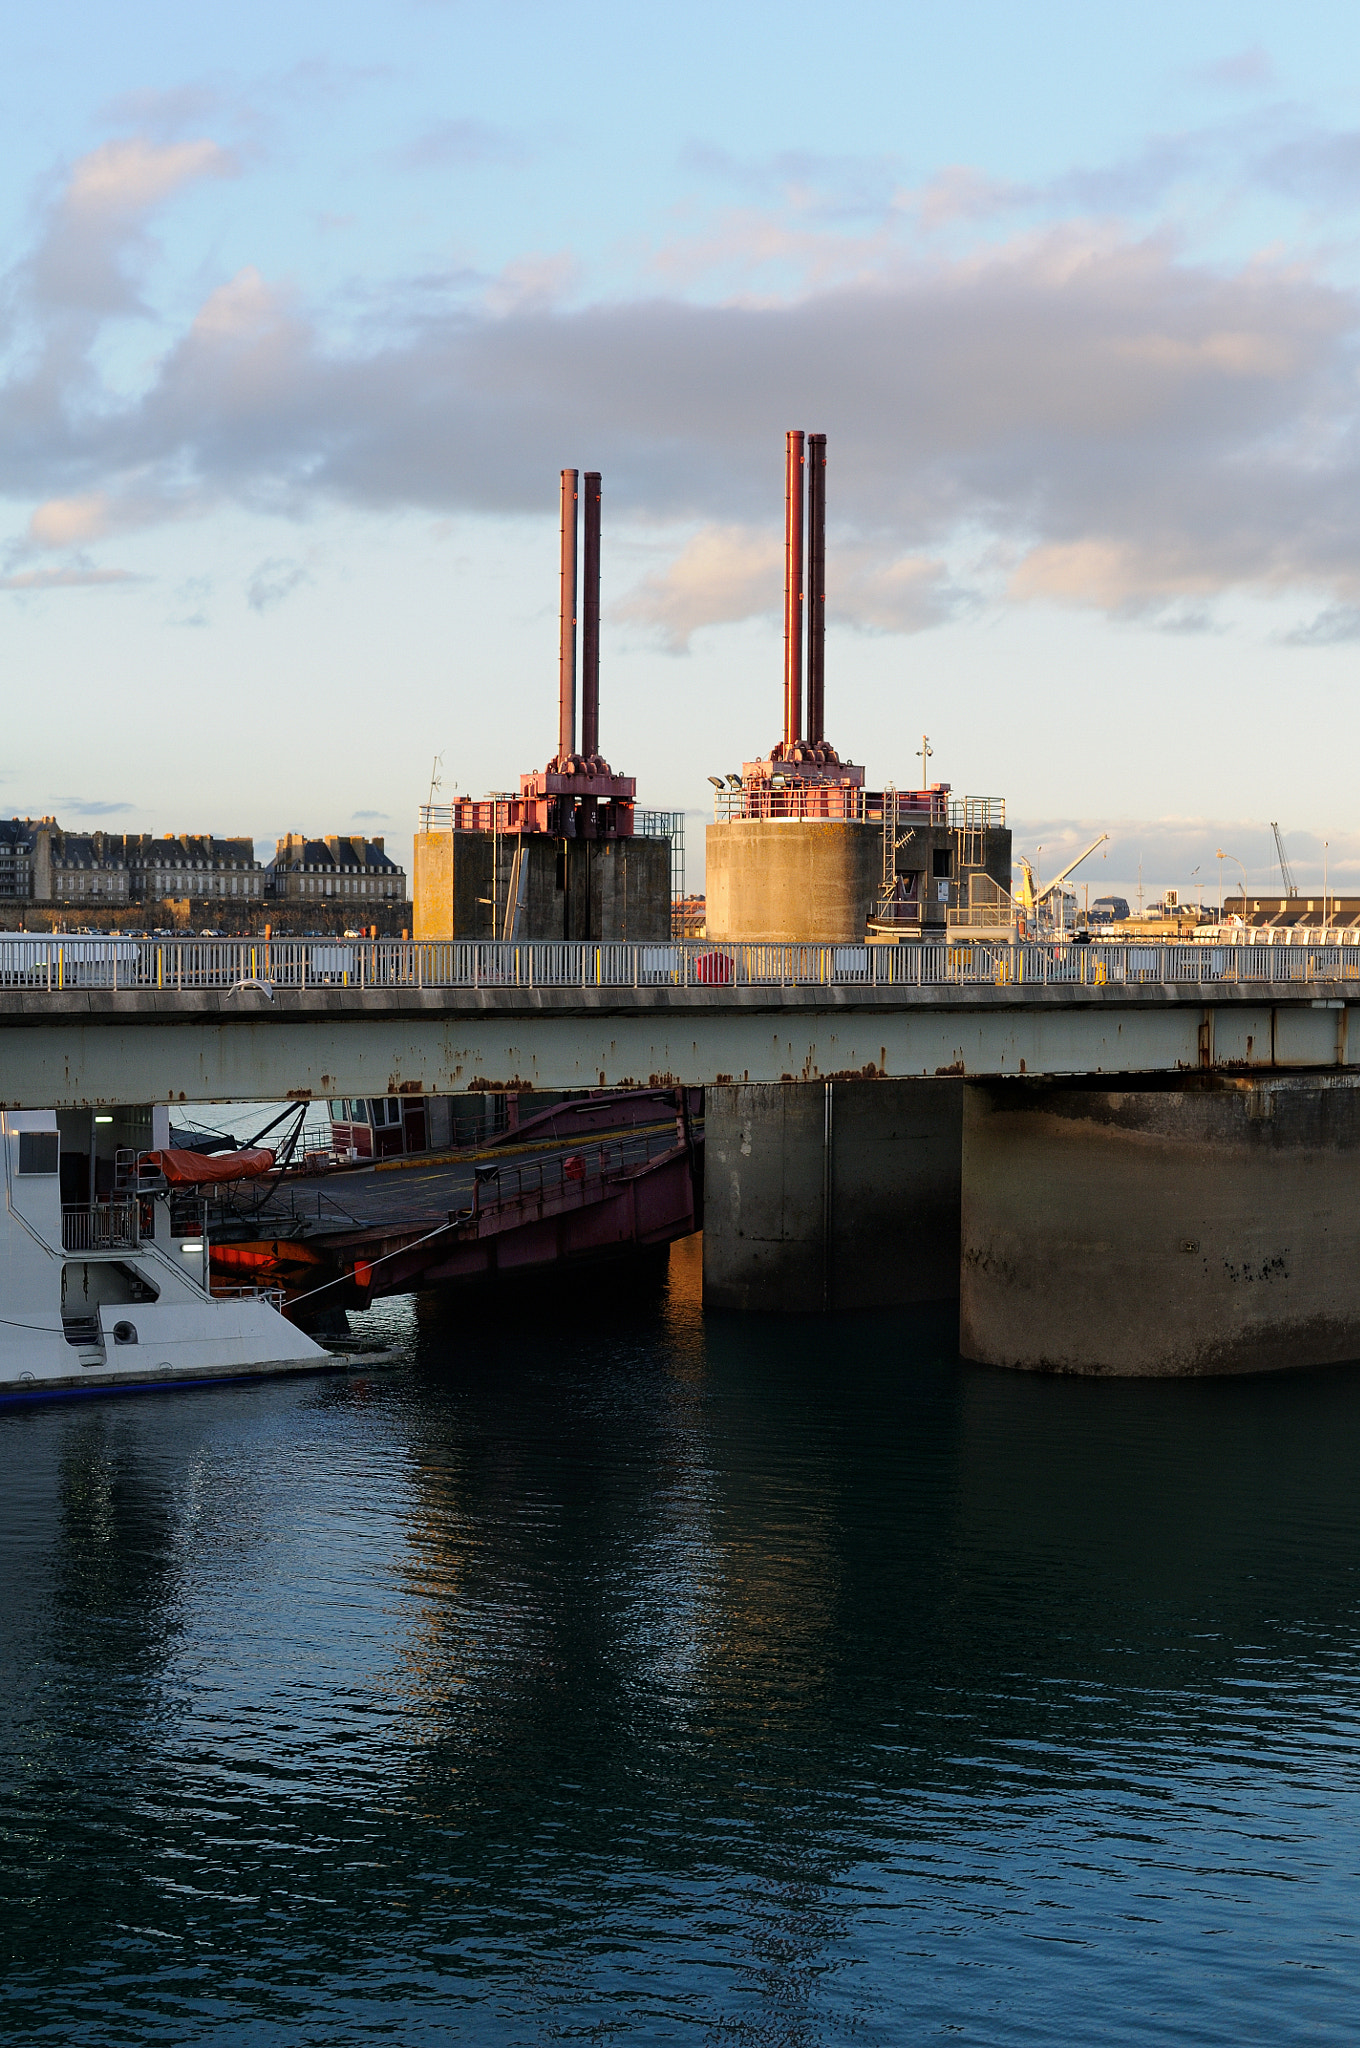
197	1169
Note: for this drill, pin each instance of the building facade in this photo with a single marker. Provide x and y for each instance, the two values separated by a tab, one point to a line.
42	864
354	869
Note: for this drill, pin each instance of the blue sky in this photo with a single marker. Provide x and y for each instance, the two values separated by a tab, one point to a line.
304	309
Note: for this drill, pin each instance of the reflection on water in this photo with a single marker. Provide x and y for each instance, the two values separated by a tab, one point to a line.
610	1672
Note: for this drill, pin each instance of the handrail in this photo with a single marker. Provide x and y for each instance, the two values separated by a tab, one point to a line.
100	1226
59	965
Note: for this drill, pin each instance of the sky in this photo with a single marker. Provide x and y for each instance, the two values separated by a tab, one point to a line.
304	308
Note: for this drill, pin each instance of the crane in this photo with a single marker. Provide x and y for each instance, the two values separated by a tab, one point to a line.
1290	887
1029	895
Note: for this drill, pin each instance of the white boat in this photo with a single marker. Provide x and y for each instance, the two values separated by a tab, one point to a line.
109	1286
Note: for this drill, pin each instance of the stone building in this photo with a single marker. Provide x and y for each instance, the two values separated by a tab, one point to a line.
354	869
17	837
179	875
193	866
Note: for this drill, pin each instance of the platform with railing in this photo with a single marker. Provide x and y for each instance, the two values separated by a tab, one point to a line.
260	969
101	1226
850	803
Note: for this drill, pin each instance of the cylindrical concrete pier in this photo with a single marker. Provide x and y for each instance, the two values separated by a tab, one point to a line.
785	880
1199	1228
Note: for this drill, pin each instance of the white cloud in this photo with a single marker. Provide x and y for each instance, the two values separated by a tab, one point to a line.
272	582
66	579
64	522
1117	425
721	574
132	175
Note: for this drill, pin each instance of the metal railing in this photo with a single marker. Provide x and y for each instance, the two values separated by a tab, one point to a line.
100	1226
258	968
573	1173
274	1297
849	802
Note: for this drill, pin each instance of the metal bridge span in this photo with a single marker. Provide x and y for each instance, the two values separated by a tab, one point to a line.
87	1046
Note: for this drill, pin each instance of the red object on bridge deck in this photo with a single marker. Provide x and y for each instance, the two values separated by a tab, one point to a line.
200	1169
714	967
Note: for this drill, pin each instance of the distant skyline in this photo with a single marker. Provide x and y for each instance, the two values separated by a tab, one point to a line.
304	309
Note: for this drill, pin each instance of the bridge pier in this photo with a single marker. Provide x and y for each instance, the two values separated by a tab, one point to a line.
1210	1225
831	1194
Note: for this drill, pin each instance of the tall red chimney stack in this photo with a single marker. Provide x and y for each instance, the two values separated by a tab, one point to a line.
590	618
816	588
566	642
793	590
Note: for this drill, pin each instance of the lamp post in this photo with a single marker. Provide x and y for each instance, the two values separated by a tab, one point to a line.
1222	856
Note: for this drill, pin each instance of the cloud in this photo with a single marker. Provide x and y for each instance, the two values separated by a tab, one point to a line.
272	581
375	815
1246	71
165	113
1322	168
64	522
462	145
1182	853
1331	628
82	262
1102	420
96	808
721	574
66	579
130	175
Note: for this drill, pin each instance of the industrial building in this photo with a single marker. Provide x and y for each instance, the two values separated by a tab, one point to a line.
800	849
1284	913
569	856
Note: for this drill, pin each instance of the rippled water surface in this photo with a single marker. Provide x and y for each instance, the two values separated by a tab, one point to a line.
634	1676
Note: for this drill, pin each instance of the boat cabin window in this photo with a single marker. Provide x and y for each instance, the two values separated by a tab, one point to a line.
39	1151
386	1110
358	1112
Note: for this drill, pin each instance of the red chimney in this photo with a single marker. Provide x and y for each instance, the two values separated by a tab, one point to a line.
793	590
566	645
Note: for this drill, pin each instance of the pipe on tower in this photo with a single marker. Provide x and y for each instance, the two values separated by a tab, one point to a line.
566	644
816	588
793	589
590	617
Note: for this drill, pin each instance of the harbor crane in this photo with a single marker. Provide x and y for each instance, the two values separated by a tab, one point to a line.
1290	886
1030	895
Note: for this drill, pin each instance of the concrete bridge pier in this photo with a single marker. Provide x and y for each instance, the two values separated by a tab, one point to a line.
1207	1225
831	1194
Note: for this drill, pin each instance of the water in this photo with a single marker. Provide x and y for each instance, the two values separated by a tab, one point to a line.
662	1680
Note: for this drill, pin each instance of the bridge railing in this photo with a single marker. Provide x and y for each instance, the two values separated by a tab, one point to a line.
57	963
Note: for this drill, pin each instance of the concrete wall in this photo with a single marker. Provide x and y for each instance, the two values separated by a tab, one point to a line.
452	870
786	879
572	888
855	1208
1196	1228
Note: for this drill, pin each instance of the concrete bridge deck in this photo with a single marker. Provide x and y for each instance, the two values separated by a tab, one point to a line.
371	1022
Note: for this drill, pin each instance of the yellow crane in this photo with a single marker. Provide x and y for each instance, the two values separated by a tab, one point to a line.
1029	895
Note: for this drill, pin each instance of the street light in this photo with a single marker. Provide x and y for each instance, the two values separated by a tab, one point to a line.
1222	856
